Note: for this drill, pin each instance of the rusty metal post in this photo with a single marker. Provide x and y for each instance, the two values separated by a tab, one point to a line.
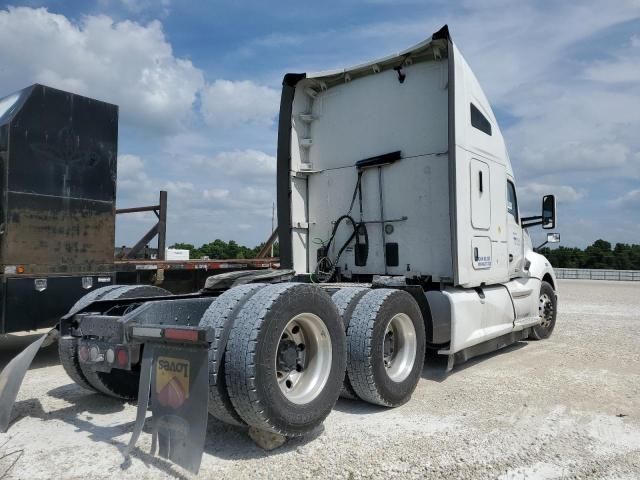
267	246
159	229
162	225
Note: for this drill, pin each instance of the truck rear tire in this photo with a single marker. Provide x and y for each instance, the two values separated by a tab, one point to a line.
68	346
385	347
220	316
547	309
285	358
346	300
117	383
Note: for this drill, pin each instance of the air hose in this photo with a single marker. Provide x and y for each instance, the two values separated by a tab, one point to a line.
325	268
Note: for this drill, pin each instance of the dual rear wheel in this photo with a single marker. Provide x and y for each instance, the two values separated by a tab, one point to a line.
283	357
385	345
281	352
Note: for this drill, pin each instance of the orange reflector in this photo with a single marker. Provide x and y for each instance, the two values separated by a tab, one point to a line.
179	334
20	269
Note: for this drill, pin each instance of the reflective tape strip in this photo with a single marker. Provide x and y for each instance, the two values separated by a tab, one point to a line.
147	332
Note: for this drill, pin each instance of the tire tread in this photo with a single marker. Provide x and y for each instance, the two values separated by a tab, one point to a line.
360	345
346	300
240	360
222	311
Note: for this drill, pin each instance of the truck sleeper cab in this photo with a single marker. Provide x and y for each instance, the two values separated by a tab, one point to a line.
397	167
399	231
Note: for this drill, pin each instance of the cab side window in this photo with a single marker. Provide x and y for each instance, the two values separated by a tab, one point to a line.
479	121
512	201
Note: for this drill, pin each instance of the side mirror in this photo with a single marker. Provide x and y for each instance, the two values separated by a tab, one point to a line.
553	238
548	212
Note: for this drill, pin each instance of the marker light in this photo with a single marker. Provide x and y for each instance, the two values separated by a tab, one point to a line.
94	354
122	358
179	334
110	355
83	353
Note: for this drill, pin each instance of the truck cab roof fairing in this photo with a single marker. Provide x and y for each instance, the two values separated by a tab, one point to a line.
433	47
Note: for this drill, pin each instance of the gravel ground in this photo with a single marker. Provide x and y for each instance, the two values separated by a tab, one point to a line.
567	407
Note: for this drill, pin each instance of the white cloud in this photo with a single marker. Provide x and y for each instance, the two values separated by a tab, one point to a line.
210	198
227	103
132	178
246	162
244	165
215	194
180	190
630	199
530	195
571	155
124	62
622	68
256	200
138	6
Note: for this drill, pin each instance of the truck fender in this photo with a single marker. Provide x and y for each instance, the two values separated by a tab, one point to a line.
438	326
540	267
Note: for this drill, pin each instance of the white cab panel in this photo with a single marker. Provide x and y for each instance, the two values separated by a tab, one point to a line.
475	316
334	127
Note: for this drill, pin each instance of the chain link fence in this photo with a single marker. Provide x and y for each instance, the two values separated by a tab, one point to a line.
592	274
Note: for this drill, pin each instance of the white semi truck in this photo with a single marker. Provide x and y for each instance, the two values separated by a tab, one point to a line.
399	233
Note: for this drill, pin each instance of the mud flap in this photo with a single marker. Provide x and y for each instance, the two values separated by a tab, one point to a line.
13	374
177	378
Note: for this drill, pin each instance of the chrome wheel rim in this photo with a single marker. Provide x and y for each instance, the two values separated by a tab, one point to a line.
399	346
545	310
303	358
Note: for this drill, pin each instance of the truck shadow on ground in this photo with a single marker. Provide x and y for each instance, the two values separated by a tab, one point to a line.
79	414
435	369
233	443
223	441
435	366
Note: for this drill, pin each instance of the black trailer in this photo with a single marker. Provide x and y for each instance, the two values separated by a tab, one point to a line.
58	156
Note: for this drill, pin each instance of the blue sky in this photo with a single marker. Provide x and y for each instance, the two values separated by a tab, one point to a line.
198	87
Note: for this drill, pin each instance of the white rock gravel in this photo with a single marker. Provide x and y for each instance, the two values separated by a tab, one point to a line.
568	407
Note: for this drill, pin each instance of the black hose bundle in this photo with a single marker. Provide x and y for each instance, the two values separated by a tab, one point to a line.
326	268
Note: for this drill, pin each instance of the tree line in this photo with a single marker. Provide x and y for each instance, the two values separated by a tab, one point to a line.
221	250
599	255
